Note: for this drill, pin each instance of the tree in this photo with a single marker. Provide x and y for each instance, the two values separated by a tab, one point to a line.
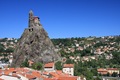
116	57
78	69
9	50
108	74
97	78
4	60
94	71
37	66
25	63
5	55
62	53
114	74
69	61
1	48
58	65
88	74
3	40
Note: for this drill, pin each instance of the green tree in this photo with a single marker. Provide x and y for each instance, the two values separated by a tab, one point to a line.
114	74
116	57
78	69
9	50
88	74
5	55
1	48
58	65
4	60
94	71
1	54
37	66
108	74
25	63
97	78
62	53
69	61
3	40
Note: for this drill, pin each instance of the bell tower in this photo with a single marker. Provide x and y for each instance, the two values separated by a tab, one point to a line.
30	23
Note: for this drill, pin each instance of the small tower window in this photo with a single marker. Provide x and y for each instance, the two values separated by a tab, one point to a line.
31	29
31	42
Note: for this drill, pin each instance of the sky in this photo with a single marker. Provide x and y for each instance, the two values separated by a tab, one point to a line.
61	18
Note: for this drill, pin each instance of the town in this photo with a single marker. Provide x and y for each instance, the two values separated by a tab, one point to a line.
72	55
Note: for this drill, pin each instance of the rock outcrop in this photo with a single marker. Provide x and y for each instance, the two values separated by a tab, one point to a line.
34	44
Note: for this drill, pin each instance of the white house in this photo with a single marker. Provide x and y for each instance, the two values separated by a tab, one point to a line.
49	67
68	69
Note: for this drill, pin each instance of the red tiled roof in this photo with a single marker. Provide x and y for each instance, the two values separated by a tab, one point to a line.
45	73
101	70
54	74
1	79
22	69
36	74
6	72
12	69
59	71
50	79
15	75
104	72
112	69
68	78
68	65
29	76
49	65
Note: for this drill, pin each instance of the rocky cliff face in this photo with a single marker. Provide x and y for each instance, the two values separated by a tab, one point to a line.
34	44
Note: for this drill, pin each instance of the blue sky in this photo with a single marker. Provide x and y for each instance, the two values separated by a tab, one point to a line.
62	18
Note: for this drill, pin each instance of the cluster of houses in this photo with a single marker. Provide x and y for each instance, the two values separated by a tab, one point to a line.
48	73
80	45
7	43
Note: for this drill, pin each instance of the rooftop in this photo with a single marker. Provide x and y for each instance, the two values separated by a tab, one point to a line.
68	65
48	65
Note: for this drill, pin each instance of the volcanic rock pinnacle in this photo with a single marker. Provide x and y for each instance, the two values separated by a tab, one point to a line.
34	44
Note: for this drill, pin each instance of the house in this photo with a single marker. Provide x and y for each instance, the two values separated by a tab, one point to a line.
111	70
108	70
30	74
68	69
86	58
102	71
49	66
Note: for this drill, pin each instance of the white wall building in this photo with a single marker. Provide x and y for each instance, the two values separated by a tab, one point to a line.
49	67
68	69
